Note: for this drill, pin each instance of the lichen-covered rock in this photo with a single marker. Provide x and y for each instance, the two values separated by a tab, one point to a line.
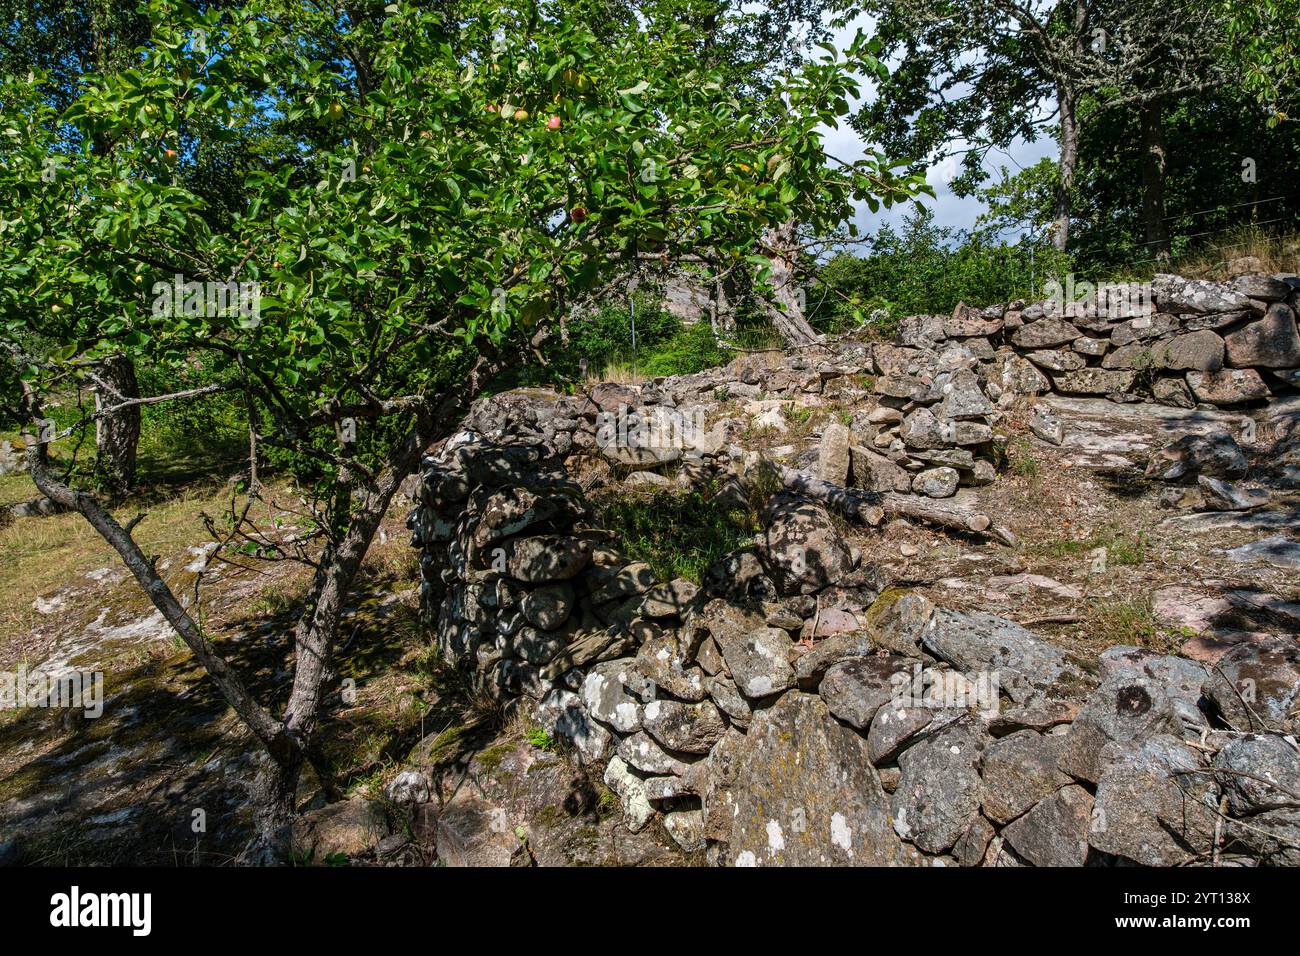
1094	381
900	724
1256	685
1055	831
1016	375
1179	677
1259	772
672	599
1271	342
613	693
686	827
1176	294
1026	665
690	728
809	668
547	558
665	659
938	795
802	548
897	621
963	398
936	482
563	716
832	812
1046	333
1229	386
833	457
1154	806
631	790
1019	770
855	689
1126	707
758	660
472	831
550	606
1216	454
644	753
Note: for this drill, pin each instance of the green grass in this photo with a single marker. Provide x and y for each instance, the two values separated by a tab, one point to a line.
678	534
1020	460
1130	622
1122	548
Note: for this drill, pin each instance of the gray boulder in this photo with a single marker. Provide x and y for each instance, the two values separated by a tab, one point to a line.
1126	707
1018	771
550	606
832	812
689	728
938	795
1055	831
855	689
1229	386
1216	454
1046	333
613	693
1154	805
1271	342
801	547
547	558
1259	772
1026	666
758	660
937	482
1256	685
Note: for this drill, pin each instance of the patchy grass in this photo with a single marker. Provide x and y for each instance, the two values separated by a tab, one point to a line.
1122	548
1130	622
1021	461
678	534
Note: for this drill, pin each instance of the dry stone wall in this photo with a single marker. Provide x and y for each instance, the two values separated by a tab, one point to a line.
794	707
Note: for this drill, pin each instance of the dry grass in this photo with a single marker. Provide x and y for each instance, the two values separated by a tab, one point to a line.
40	555
1275	254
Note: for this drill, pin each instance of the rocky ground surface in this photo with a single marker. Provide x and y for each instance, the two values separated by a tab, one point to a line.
938	605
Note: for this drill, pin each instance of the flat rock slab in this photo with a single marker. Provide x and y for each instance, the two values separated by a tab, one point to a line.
1026	665
1101	434
806	794
1210	521
1279	550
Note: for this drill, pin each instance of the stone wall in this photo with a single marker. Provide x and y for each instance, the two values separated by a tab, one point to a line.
1181	341
794	708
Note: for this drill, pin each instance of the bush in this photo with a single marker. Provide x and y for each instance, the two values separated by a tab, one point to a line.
926	269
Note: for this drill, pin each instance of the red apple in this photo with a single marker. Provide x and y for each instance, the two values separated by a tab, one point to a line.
553	123
578	213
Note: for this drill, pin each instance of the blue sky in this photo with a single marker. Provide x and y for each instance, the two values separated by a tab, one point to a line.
949	210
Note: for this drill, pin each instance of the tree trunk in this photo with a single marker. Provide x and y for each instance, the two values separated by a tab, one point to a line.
117	434
1068	162
1154	156
288	741
785	310
273	796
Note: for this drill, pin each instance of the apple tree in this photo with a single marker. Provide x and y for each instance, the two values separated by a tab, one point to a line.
441	186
